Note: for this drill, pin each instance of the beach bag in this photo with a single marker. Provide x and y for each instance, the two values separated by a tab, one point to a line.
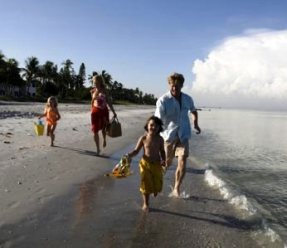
39	128
114	128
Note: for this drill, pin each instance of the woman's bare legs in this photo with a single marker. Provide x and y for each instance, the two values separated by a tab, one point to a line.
104	136
97	141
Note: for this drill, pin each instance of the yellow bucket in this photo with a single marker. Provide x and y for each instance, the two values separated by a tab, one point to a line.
39	129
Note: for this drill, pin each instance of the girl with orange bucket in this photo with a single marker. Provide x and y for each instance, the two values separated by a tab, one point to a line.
52	115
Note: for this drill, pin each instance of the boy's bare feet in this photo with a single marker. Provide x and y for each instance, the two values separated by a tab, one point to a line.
145	208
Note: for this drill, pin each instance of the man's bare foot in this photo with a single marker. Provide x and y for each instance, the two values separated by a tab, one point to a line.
98	152
175	193
145	208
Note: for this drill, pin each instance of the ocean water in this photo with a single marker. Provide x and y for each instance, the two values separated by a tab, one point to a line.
245	155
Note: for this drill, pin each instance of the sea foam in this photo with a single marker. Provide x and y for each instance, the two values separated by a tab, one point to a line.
241	202
268	234
183	194
235	198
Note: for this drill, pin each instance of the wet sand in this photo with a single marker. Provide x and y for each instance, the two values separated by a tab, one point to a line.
62	198
106	212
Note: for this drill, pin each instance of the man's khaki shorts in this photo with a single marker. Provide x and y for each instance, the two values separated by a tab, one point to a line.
176	149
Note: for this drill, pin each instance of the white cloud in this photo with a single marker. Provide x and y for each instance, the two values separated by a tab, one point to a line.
251	67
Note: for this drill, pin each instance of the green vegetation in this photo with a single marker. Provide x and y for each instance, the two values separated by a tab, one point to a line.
36	82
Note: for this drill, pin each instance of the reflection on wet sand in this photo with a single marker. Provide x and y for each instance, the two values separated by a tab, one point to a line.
86	199
89	194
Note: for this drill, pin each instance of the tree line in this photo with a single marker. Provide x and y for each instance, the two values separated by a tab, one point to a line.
63	82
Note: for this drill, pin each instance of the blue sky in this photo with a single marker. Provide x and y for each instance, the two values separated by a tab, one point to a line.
141	42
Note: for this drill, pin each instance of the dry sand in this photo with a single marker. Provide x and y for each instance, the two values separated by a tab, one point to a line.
59	196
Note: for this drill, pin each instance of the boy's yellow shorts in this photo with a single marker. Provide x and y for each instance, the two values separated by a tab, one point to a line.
151	177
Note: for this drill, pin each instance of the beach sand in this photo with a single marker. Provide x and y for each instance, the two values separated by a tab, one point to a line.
60	197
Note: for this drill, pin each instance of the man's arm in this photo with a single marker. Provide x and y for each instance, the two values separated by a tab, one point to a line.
159	111
195	121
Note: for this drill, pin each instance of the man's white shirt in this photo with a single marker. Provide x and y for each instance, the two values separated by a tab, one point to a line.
175	117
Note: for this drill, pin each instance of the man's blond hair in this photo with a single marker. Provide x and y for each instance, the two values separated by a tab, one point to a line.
176	78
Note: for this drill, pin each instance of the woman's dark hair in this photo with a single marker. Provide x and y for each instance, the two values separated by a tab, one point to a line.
157	121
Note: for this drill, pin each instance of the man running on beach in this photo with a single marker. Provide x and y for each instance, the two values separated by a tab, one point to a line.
173	108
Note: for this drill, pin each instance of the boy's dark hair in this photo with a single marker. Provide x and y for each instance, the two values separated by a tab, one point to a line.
95	73
157	121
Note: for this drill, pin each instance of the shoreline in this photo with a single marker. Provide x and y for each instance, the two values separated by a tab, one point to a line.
61	196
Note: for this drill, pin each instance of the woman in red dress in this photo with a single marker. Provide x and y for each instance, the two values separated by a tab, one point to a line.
100	112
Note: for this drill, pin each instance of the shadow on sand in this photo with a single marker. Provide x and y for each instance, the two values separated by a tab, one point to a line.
84	152
227	220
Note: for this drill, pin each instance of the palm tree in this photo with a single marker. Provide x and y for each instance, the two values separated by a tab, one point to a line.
49	72
116	90
68	74
66	78
81	77
2	67
108	79
2	56
49	78
31	71
2	59
12	76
